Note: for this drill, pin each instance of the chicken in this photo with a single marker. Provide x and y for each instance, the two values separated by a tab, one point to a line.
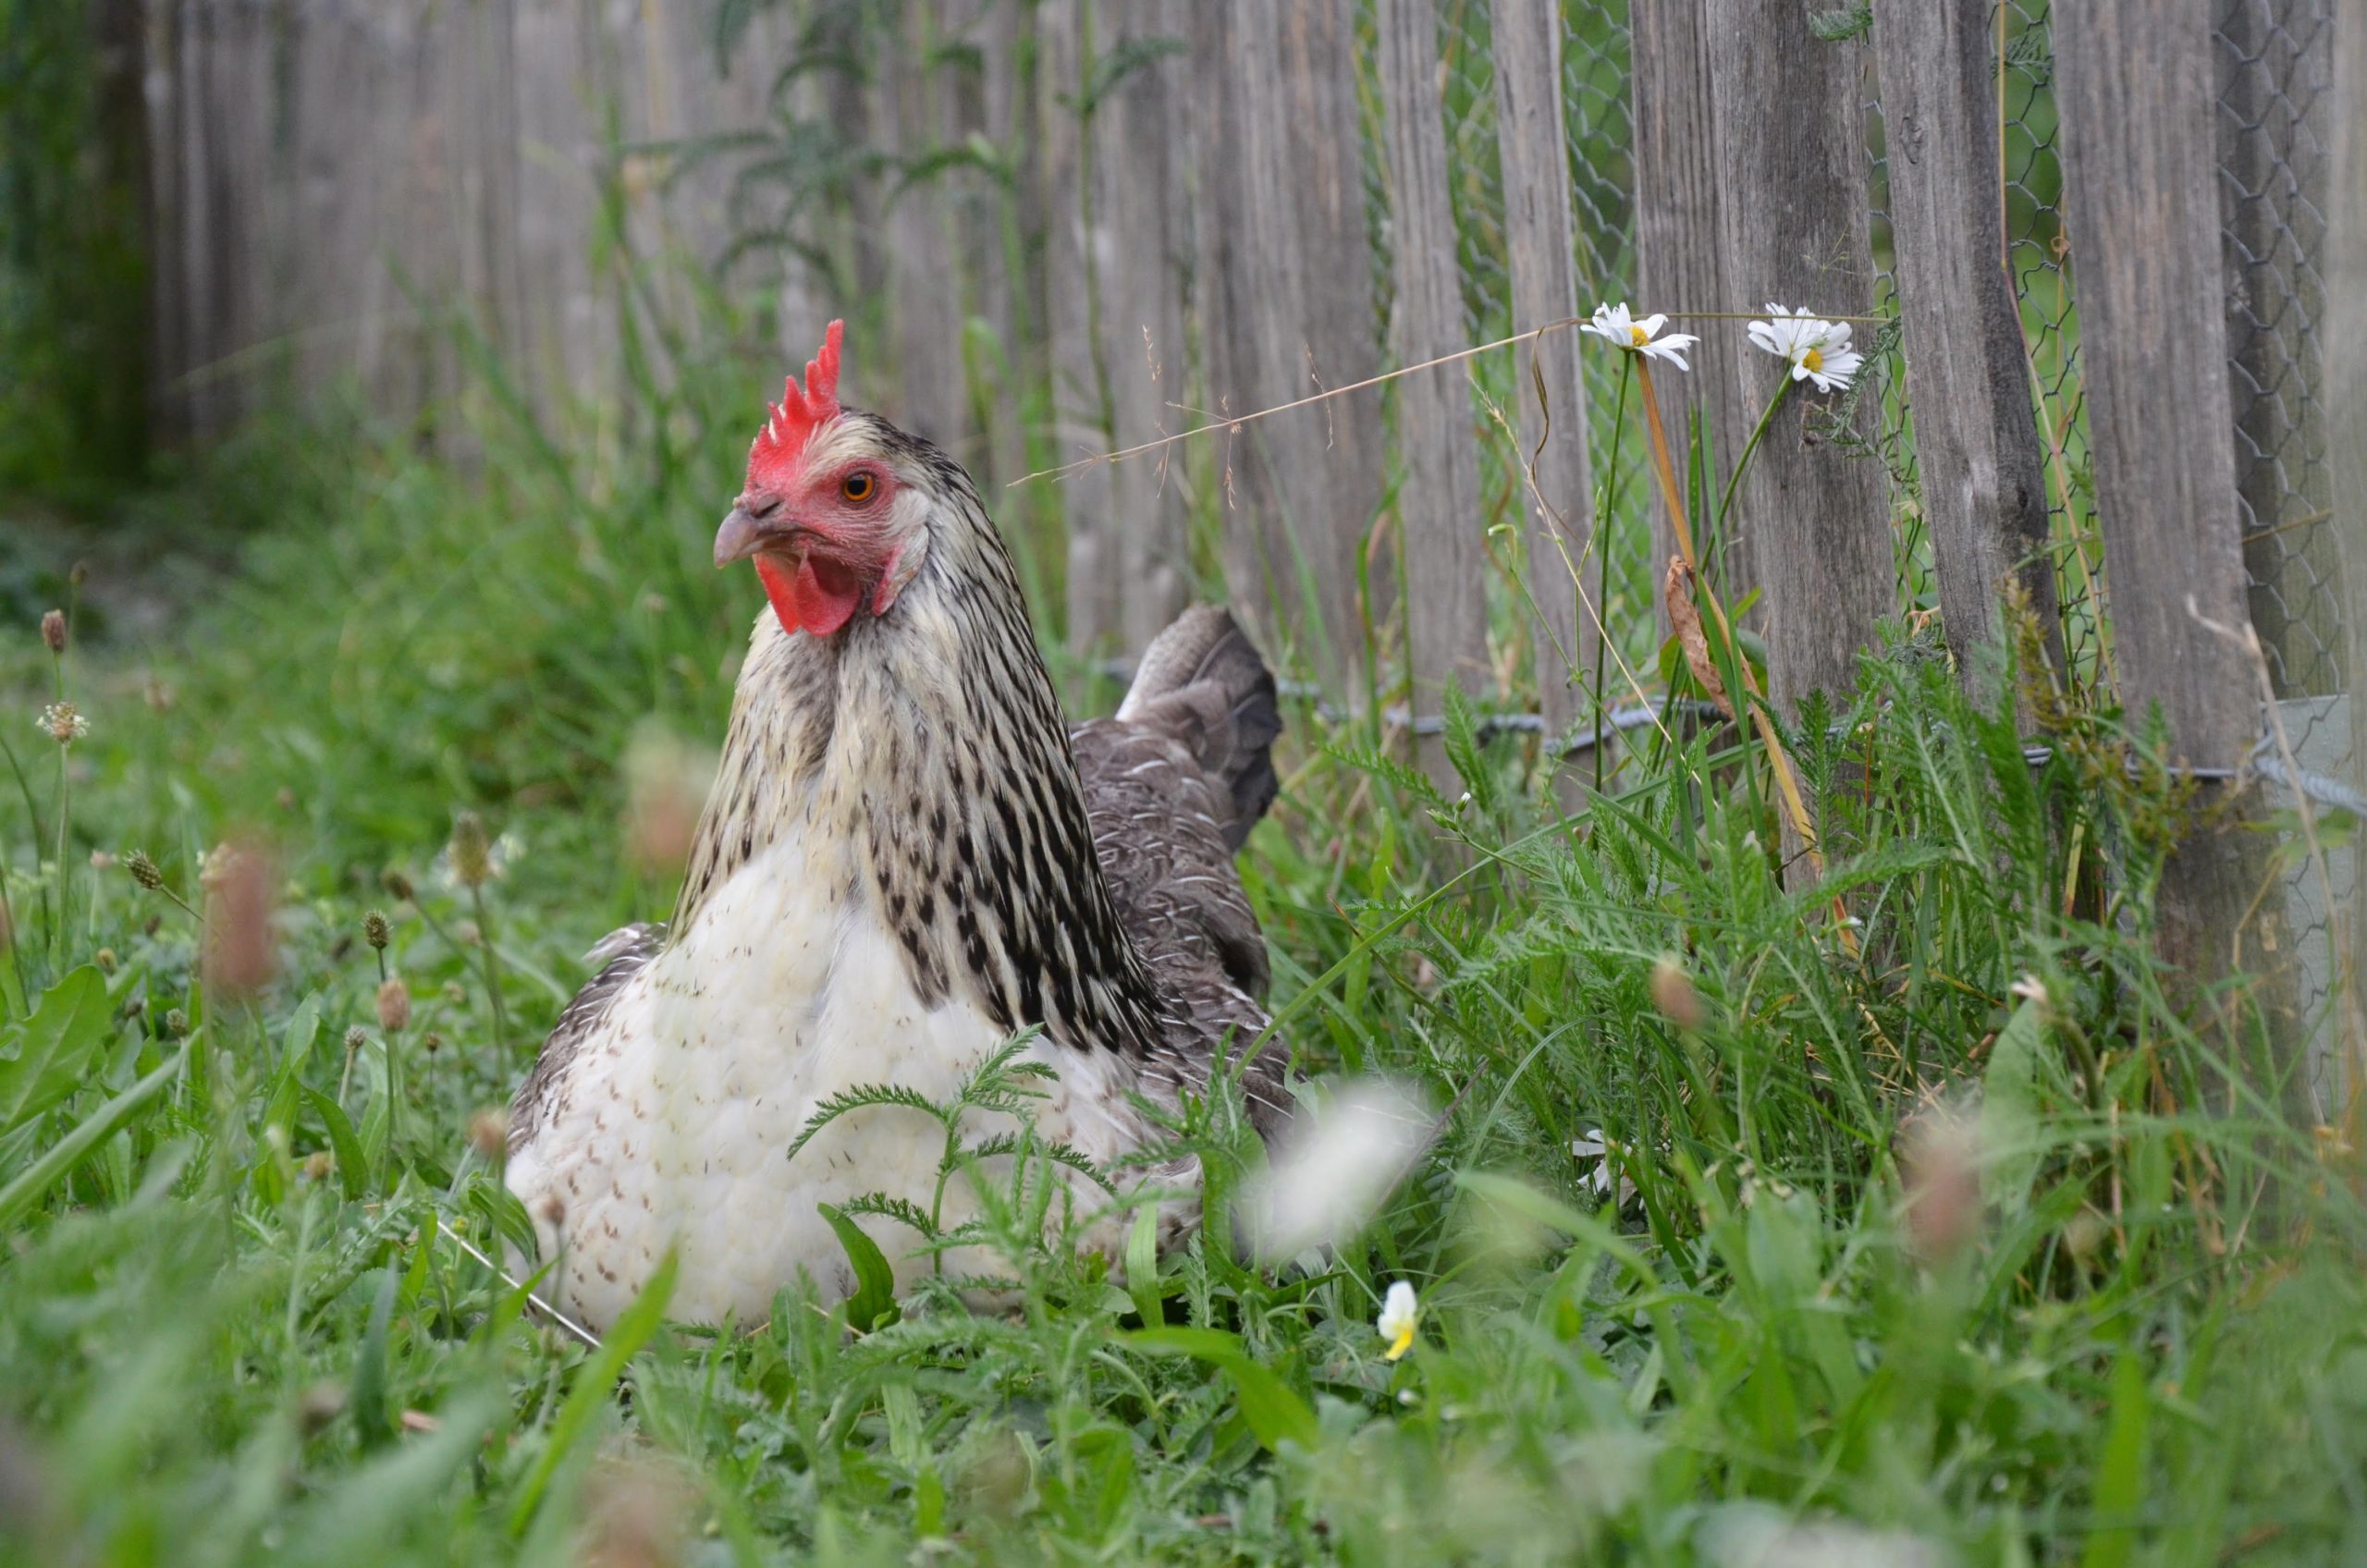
907	858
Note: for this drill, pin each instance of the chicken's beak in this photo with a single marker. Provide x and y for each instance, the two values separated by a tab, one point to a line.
739	537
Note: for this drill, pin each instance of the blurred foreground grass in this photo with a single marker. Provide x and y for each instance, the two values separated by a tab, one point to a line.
1734	1247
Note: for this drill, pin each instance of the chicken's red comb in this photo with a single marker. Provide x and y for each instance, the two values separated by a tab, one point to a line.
801	409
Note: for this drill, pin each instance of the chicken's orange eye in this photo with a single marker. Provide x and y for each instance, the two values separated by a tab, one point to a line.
858	486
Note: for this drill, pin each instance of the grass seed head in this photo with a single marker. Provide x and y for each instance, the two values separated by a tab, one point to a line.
1672	994
144	870
176	1024
355	1039
640	1516
1939	1164
397	886
489	1133
374	929
53	630
65	723
470	851
238	881
431	1042
319	1404
394	1006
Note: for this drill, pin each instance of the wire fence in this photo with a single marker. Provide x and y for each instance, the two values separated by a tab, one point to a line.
2274	60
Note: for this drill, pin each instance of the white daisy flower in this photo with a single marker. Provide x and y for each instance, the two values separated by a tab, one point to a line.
1817	350
1398	1314
1616	327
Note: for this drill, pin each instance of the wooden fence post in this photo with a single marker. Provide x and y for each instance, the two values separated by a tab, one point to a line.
1441	534
1080	419
1792	212
2134	83
1534	154
1976	440
1285	311
1679	261
1140	199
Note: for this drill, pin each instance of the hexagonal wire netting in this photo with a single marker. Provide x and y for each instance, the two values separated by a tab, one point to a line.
2274	67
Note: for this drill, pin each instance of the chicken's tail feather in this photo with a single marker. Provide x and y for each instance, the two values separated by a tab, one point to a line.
1204	662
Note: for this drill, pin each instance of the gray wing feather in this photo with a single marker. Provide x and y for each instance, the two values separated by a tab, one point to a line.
621	955
1173	786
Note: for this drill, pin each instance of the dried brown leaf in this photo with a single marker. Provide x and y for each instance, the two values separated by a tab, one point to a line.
1685	618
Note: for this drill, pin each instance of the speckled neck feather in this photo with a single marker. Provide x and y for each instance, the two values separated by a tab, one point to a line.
931	738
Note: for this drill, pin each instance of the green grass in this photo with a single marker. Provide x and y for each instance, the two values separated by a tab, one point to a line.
237	1326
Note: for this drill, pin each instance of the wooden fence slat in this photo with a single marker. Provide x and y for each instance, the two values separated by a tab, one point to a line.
1441	534
1001	31
1679	262
2134	83
1793	166
1534	155
1080	421
570	337
924	261
1976	439
1285	309
1139	200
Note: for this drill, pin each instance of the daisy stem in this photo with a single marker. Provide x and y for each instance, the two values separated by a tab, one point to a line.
1786	781
1601	543
1735	478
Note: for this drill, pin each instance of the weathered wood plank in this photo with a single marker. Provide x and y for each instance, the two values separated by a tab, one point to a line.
1976	441
1140	238
1441	534
1000	33
1791	138
1080	417
1534	154
1286	311
1679	262
2134	83
923	259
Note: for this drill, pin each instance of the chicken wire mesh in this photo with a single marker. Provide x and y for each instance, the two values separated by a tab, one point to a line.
2274	112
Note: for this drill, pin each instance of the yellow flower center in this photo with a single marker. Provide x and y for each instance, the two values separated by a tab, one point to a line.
1638	335
1813	358
1403	1342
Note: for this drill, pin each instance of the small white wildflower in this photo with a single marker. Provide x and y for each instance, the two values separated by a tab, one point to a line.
1616	327
63	723
1399	1315
1817	350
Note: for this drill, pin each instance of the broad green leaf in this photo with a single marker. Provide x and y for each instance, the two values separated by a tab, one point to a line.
1142	1268
352	1164
874	1302
48	1056
102	1124
2011	1111
372	1420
